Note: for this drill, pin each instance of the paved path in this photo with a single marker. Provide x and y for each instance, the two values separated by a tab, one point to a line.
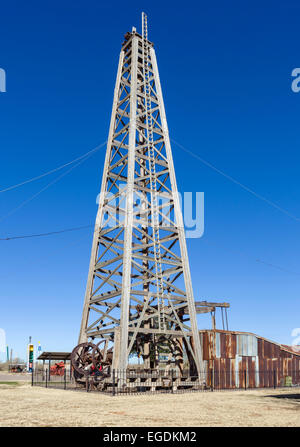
14	377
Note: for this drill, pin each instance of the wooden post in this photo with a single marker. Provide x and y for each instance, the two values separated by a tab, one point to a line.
116	356
213	320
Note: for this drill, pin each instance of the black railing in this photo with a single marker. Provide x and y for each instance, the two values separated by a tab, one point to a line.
118	382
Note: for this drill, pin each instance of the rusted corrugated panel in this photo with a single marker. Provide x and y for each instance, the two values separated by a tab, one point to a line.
271	353
263	371
222	372
277	351
266	376
216	373
260	371
275	372
223	345
290	366
273	350
241	367
286	354
269	372
205	345
241	373
233	374
235	353
257	377
237	370
227	373
231	346
293	372
276	365
211	345
209	376
283	354
284	367
251	372
278	374
244	371
297	371
227	345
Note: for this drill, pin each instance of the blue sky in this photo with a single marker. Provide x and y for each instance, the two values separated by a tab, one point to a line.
225	70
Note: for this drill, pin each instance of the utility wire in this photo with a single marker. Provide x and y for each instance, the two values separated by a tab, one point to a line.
245	256
248	190
276	267
50	233
259	196
88	155
54	170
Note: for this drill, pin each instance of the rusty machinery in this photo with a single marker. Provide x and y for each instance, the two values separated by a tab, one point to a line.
96	360
58	369
89	359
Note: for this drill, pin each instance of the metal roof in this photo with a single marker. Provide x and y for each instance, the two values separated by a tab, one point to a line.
55	356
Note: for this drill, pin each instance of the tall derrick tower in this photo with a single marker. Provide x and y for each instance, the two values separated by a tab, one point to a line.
139	295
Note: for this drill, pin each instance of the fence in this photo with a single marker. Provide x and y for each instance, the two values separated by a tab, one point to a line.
117	382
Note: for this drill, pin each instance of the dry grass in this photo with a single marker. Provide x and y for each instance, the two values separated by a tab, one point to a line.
27	406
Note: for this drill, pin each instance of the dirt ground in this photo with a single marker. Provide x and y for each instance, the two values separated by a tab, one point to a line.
22	405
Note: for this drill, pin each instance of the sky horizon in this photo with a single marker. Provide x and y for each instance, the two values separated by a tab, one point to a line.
226	75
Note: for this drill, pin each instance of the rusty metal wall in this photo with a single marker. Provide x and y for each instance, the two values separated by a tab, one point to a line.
239	360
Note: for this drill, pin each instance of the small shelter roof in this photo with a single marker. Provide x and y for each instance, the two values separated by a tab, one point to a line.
55	356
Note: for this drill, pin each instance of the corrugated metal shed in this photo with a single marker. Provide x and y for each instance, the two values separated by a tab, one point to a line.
239	359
